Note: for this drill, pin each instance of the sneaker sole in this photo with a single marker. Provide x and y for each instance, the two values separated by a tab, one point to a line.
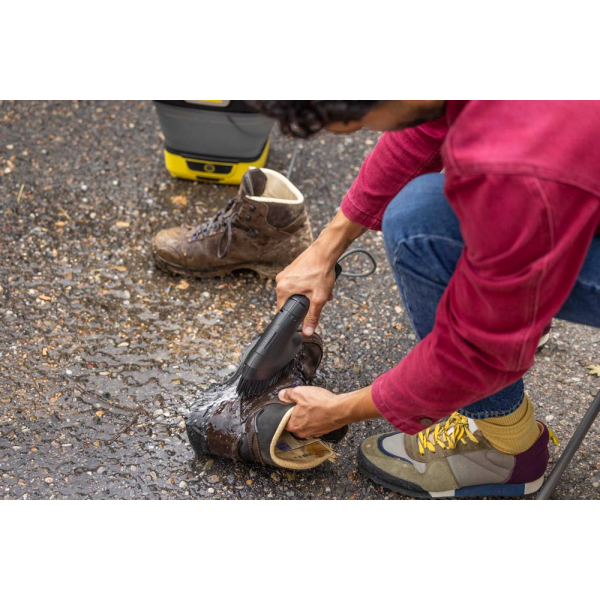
265	270
499	490
543	341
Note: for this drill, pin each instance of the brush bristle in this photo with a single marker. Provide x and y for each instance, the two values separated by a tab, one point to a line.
246	388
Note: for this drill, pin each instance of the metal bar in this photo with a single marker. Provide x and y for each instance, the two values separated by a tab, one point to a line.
574	443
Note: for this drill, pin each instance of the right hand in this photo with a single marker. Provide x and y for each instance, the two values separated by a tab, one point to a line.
312	274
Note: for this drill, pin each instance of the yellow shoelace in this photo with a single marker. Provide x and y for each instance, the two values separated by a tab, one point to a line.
444	438
441	435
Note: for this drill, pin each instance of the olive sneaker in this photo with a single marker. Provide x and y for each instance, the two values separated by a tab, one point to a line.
453	459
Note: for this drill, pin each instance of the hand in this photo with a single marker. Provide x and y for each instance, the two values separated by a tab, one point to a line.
318	411
312	274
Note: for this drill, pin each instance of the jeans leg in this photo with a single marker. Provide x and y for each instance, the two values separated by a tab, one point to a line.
423	244
583	304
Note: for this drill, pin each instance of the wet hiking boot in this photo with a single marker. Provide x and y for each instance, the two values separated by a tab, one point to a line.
264	228
452	459
253	429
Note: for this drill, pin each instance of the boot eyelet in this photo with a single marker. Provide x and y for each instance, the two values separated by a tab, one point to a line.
248	217
252	207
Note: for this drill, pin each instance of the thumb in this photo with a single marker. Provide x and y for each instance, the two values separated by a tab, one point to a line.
287	395
312	318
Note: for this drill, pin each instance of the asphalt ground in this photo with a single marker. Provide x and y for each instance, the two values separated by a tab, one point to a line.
101	354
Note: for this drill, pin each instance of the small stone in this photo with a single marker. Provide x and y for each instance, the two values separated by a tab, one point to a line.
249	481
549	417
210	490
48	480
208	464
101	470
213	478
183	484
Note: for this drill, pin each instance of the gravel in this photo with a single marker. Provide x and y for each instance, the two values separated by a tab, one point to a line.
102	355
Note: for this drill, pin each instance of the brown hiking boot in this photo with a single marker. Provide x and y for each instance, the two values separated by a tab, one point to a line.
253	429
264	228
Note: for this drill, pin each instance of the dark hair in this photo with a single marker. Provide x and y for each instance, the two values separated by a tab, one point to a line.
303	118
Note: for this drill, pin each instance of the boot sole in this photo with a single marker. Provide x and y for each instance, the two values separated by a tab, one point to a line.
265	270
400	486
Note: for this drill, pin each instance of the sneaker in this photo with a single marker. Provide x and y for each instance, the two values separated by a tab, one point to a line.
264	228
253	429
545	337
452	459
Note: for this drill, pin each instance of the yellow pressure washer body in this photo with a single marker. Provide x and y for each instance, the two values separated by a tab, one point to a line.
215	141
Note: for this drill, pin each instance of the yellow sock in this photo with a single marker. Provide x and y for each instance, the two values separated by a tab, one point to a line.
514	433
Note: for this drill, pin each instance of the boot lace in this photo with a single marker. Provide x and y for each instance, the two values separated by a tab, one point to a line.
223	220
446	435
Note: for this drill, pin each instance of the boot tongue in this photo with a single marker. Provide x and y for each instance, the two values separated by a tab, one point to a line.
253	183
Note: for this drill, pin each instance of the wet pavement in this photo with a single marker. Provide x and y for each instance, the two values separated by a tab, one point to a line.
101	354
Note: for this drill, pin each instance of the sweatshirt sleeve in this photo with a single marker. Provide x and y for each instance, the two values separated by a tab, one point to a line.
398	157
525	242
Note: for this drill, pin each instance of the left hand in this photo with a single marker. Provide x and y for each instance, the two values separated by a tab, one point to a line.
317	411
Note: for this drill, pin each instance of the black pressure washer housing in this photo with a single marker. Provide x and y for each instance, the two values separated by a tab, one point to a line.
272	356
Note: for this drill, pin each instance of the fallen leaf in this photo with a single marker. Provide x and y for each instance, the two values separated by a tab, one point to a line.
96	443
44	351
184	285
5	400
46	298
179	200
99	413
34	449
122	224
61	223
594	370
118	268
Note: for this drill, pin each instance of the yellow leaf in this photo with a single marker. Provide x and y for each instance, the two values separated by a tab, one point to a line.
179	200
594	370
184	285
46	298
122	224
96	443
99	413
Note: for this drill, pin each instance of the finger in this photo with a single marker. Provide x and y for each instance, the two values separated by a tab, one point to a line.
287	395
312	318
282	296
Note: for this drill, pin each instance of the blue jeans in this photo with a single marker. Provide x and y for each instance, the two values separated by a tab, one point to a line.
423	244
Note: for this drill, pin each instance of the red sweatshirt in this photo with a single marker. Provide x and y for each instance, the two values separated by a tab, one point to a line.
524	181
